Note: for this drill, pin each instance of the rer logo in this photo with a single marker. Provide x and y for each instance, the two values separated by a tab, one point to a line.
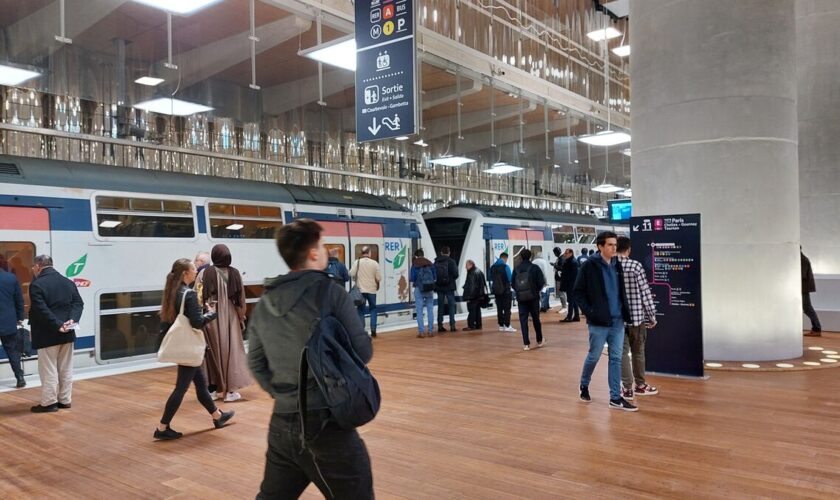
658	224
76	267
388	11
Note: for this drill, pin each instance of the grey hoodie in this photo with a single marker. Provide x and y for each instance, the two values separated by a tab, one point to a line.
280	326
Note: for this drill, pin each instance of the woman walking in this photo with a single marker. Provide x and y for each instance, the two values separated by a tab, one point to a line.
225	364
175	292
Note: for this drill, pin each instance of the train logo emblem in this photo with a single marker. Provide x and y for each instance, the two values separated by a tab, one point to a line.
77	267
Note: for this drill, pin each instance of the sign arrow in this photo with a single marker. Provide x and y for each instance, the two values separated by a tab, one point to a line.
635	228
375	128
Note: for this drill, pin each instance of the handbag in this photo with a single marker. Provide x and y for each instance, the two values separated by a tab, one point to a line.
183	344
356	293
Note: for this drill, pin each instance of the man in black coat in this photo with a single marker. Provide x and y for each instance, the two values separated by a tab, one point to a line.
568	275
527	287
11	318
809	286
446	281
55	311
475	289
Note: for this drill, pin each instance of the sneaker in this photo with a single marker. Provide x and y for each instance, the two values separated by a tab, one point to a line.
44	409
167	434
232	396
373	333
21	383
526	348
223	420
584	394
622	404
430	334
215	395
814	333
543	343
421	335
62	406
646	390
510	329
502	329
627	393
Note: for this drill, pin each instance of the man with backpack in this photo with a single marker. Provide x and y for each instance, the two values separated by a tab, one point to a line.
446	271
334	457
475	290
337	269
501	279
423	276
528	280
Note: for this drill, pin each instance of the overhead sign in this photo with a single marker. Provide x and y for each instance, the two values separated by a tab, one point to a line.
386	61
668	246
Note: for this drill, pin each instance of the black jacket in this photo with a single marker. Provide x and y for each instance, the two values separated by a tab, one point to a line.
282	323
191	310
809	285
475	286
590	294
568	274
537	277
54	300
11	303
452	271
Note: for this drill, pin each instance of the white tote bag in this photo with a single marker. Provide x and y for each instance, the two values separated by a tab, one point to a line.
183	344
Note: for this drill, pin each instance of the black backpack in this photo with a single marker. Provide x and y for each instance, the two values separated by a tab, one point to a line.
501	285
350	390
524	290
442	270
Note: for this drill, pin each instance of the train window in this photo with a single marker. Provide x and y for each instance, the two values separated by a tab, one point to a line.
252	296
129	324
339	249
123	217
229	220
564	234
19	257
517	258
586	235
374	251
536	251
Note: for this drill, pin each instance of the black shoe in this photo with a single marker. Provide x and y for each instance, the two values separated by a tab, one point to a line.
441	329
373	334
20	383
167	434
226	415
566	320
622	404
576	320
584	394
63	406
453	329
45	409
469	329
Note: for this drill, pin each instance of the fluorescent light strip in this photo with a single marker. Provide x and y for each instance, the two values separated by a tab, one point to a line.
607	188
421	143
234	227
11	76
622	50
174	107
607	33
503	168
605	138
109	224
149	81
183	7
401	138
340	52
452	161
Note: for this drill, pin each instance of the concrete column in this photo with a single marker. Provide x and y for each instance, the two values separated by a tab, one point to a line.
818	72
714	132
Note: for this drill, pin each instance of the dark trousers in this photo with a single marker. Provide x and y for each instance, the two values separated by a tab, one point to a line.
503	303
448	298
13	353
530	308
474	316
187	375
574	310
337	460
810	312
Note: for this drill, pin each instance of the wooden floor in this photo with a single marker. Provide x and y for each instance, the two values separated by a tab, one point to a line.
469	416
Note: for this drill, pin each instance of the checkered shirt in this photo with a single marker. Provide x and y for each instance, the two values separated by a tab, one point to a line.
639	296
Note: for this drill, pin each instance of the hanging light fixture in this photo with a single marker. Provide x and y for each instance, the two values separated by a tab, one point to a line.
340	52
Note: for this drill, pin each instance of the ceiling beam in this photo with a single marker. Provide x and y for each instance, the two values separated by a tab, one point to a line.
287	96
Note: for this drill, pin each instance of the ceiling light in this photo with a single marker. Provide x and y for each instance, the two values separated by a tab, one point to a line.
605	138
604	34
607	188
420	143
622	50
503	168
12	76
452	161
627	192
149	81
626	152
179	6
340	52
110	224
234	227
401	138
170	106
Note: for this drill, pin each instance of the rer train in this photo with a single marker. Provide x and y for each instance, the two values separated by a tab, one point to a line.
116	231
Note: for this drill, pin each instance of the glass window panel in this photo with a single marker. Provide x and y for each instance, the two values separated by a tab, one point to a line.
221	209
585	235
177	206
247	211
271	212
253	291
20	257
129	334
374	251
243	228
127	300
111	203
564	234
144	226
340	255
145	205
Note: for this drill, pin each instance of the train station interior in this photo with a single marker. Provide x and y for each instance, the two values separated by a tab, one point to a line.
210	174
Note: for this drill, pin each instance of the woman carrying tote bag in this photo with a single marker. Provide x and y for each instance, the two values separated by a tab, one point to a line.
176	294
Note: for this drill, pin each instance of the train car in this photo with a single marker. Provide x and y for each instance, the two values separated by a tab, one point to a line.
116	231
483	232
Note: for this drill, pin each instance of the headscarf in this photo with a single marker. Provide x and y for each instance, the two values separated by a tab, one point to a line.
220	255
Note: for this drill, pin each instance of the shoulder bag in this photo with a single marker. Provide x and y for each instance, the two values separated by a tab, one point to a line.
183	344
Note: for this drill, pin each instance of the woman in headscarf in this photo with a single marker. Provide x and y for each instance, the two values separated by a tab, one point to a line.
225	363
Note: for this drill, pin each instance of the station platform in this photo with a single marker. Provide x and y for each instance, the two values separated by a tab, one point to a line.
469	415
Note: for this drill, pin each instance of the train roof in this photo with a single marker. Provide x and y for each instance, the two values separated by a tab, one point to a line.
532	214
40	172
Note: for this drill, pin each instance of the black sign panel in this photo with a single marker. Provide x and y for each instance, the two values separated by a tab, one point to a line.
386	60
668	246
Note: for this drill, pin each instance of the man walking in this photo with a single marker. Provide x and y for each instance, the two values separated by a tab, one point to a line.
568	275
809	286
642	317
446	282
501	279
335	459
599	291
367	275
11	318
528	280
54	315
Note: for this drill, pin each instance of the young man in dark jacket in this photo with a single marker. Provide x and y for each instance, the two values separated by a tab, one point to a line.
446	271
501	276
280	327
55	311
475	288
809	286
599	290
11	318
568	275
527	289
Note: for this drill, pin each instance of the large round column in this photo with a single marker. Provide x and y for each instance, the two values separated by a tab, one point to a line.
714	132
818	69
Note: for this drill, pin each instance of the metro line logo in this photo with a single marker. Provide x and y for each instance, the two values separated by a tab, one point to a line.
76	267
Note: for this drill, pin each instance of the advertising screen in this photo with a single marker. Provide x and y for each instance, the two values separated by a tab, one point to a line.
620	210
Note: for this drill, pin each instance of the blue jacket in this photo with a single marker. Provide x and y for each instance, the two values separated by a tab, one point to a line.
11	303
416	265
342	276
508	273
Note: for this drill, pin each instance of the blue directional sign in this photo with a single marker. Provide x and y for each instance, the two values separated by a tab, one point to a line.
386	61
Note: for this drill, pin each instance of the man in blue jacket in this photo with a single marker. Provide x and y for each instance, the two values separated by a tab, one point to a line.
599	291
11	318
500	276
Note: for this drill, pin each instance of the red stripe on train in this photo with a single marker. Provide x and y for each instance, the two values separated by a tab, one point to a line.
24	219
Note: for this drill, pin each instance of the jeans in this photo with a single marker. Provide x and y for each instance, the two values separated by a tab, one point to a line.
503	303
810	312
564	303
613	336
532	308
337	460
447	297
544	304
187	375
574	310
474	316
634	342
13	353
370	299
424	302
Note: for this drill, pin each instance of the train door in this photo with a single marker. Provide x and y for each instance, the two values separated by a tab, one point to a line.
24	233
367	235
336	238
518	241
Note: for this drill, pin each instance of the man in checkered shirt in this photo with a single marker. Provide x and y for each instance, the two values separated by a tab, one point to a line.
642	317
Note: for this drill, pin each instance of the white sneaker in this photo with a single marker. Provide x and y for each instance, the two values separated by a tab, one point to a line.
526	348
510	329
232	396
543	343
563	311
502	329
215	395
